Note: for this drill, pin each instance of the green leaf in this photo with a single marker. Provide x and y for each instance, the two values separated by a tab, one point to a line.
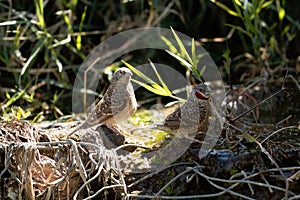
170	45
17	40
39	8
267	4
13	99
165	87
74	4
28	98
38	47
35	119
249	25
285	30
239	29
228	10
7	95
237	2
180	59
227	61
202	71
182	48
78	39
249	139
281	14
238	10
25	114
68	22
194	55
139	73
19	113
154	88
273	43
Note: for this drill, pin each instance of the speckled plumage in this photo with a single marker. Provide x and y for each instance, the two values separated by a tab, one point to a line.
117	104
192	116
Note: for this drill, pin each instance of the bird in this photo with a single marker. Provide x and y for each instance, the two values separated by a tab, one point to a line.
117	104
191	117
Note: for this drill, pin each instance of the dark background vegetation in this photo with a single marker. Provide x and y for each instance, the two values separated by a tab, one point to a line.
43	43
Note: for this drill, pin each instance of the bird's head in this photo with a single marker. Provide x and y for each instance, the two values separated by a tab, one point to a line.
202	92
122	72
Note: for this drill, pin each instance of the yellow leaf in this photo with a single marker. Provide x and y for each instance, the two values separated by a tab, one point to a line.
281	14
237	2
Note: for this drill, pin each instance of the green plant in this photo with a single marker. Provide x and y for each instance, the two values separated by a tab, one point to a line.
31	49
268	37
157	88
182	55
170	191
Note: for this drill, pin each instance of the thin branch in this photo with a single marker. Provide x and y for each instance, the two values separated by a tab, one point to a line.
263	101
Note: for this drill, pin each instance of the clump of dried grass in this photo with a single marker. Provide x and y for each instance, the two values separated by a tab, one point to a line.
31	167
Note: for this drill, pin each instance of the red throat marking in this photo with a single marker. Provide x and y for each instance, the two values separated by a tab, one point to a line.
200	95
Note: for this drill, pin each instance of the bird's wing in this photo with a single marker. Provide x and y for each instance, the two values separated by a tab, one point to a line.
105	110
172	121
190	117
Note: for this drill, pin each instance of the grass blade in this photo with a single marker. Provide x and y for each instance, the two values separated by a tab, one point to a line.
165	87
172	48
228	10
184	62
154	88
78	39
39	8
13	99
183	50
139	73
28	64
194	55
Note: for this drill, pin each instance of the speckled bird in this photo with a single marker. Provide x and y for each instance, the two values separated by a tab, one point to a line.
117	104
192	116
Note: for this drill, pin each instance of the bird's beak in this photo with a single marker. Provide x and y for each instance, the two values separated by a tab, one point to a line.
206	95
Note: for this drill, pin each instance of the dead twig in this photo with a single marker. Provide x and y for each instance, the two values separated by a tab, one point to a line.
263	101
268	155
284	128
